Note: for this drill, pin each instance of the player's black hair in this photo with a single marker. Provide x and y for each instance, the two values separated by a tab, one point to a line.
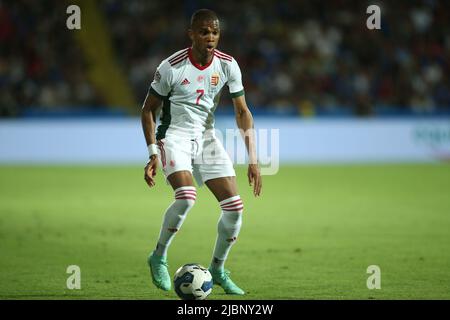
203	15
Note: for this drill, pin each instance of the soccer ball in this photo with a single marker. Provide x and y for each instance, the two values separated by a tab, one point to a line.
193	282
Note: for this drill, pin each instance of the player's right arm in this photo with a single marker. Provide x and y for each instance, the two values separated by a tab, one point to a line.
159	90
148	119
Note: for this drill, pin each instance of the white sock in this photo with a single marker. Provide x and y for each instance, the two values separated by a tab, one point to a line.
228	229
174	217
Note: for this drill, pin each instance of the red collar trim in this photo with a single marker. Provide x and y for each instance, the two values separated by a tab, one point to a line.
191	58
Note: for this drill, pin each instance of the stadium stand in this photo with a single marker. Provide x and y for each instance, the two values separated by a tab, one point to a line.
298	58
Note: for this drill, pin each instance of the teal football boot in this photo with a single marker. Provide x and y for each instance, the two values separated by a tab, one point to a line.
222	278
159	271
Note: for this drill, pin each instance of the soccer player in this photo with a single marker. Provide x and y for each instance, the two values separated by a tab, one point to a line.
188	85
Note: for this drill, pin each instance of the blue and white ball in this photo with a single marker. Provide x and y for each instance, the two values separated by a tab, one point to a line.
193	282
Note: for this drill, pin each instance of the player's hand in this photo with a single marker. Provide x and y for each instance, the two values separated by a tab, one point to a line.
254	178
150	170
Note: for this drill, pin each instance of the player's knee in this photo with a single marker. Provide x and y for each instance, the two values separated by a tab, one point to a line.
185	197
232	204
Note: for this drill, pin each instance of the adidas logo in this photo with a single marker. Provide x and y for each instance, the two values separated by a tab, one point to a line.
185	81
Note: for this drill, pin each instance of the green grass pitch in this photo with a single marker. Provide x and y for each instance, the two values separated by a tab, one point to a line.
311	235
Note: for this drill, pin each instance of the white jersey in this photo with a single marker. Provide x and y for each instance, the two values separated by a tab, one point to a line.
191	92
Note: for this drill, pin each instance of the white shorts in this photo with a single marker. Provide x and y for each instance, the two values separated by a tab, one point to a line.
205	158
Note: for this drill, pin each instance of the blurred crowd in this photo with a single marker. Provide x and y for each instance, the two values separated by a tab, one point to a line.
41	66
306	55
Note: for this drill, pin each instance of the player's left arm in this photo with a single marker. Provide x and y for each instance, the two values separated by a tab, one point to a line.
244	120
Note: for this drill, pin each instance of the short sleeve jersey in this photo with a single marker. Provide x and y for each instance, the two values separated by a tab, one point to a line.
191	92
